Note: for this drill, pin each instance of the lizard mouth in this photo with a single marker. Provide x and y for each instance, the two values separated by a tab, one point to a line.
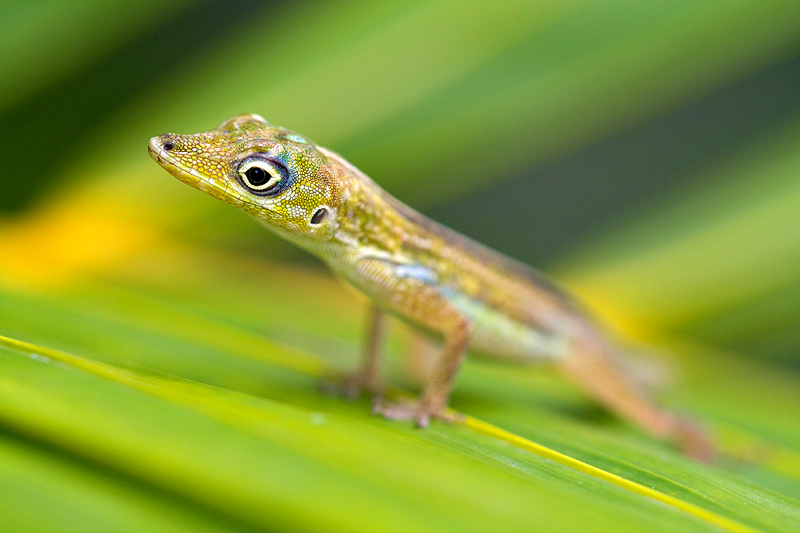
160	149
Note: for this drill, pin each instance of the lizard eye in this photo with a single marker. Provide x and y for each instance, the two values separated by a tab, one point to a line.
262	177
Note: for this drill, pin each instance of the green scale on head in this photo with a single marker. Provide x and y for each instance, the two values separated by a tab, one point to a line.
273	174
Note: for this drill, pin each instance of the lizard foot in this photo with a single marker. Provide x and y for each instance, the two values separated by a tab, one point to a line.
416	410
351	385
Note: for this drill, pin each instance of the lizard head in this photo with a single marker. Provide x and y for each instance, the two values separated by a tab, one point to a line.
274	174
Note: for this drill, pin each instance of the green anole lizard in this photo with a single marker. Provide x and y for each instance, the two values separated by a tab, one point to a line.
410	266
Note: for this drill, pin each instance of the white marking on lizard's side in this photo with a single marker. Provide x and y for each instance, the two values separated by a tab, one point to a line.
371	252
418	272
346	238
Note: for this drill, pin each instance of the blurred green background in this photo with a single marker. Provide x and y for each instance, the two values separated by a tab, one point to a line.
645	153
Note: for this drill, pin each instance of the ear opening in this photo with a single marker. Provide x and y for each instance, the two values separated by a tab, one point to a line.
320	215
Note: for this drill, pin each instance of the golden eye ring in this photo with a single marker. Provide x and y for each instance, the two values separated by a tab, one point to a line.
261	176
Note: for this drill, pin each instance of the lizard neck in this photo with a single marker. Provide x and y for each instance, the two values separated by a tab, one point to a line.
367	216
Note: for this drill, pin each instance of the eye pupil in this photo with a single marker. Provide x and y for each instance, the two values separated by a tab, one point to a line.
257	176
262	176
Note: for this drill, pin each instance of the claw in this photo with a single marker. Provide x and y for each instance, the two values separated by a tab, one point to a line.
416	410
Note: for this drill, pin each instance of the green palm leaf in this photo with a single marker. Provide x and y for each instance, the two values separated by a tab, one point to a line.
157	373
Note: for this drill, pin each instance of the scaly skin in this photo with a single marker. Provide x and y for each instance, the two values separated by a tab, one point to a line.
408	265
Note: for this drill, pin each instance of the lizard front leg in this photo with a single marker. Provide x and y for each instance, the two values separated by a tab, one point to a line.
369	376
436	393
366	378
411	291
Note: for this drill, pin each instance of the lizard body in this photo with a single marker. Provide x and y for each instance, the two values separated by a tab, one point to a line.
410	266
